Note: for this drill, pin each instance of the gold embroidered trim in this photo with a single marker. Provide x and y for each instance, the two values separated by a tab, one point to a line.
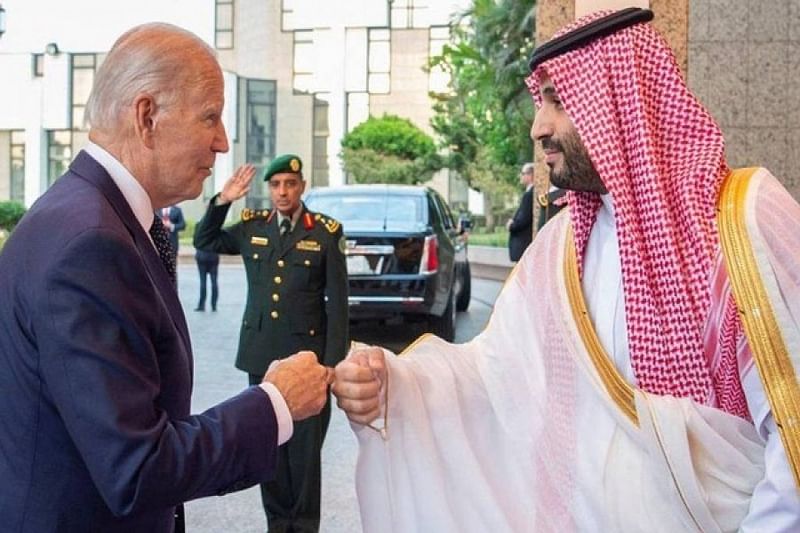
761	327
620	391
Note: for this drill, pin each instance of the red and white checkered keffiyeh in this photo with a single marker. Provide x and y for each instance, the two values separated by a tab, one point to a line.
661	157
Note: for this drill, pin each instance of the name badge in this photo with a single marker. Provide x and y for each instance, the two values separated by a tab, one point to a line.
309	246
260	241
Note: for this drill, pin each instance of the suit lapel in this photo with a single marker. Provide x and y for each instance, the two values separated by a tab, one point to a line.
90	170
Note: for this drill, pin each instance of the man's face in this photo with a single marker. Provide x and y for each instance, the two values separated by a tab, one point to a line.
569	162
188	135
526	176
285	190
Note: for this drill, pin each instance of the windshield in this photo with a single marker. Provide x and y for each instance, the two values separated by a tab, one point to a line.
372	212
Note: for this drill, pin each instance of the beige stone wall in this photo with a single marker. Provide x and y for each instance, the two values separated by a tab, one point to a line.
743	65
409	84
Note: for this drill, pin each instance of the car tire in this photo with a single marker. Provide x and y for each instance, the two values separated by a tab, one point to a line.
445	326
462	302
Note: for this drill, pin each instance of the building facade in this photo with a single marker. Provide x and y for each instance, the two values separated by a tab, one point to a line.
299	74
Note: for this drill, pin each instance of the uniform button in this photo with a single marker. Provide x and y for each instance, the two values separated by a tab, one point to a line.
307	262
311	332
274	314
255	256
281	263
278	280
275	297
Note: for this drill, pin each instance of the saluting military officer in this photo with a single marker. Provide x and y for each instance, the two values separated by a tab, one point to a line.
294	258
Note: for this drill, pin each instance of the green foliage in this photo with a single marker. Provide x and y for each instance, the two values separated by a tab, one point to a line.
368	166
10	214
389	149
484	122
391	135
497	238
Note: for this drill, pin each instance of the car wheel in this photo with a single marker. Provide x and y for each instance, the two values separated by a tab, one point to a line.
445	326
462	303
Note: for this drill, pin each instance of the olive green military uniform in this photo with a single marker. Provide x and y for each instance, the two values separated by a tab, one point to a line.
287	312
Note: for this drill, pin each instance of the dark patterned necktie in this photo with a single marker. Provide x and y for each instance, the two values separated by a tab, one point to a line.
161	239
286	227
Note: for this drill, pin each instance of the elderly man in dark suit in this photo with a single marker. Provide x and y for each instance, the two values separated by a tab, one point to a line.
95	358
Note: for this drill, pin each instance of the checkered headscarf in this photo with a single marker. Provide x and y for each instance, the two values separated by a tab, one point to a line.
661	157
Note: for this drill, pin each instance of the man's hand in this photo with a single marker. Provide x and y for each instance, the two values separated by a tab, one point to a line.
237	185
302	382
360	380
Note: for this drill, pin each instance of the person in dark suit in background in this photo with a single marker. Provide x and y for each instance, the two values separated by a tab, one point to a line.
95	358
520	228
296	300
172	219
207	265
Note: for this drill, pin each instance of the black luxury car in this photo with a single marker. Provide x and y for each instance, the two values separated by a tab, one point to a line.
406	256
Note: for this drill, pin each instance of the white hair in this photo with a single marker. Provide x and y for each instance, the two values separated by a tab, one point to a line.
151	58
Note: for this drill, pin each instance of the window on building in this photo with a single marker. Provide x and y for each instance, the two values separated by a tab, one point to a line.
37	65
303	66
17	175
260	149
379	59
438	78
320	170
83	69
409	14
223	24
59	153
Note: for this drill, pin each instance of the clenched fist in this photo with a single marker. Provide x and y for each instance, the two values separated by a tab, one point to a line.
302	382
360	381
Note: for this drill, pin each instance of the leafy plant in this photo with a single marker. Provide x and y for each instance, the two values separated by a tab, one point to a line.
484	121
389	149
10	214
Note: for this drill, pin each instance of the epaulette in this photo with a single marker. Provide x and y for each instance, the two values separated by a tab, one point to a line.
330	224
254	214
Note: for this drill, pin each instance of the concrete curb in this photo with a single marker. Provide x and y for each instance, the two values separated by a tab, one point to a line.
486	262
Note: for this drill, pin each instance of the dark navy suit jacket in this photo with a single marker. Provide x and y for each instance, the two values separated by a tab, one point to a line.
520	232
96	376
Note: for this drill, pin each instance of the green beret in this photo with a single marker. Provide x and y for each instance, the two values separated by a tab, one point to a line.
284	163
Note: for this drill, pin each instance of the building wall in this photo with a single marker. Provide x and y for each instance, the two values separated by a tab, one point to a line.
743	65
263	48
409	90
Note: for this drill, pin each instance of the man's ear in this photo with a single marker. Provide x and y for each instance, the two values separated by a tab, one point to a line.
145	124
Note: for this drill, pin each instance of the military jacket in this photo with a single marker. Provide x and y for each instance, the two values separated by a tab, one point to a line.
288	283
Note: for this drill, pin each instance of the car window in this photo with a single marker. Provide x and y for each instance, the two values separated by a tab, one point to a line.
447	216
371	211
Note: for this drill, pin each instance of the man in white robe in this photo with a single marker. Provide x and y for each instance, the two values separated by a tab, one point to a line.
636	382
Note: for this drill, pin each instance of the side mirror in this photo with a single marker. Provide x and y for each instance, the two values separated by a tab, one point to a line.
464	224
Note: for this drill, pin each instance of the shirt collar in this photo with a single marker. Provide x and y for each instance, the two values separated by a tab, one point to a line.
129	186
295	217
